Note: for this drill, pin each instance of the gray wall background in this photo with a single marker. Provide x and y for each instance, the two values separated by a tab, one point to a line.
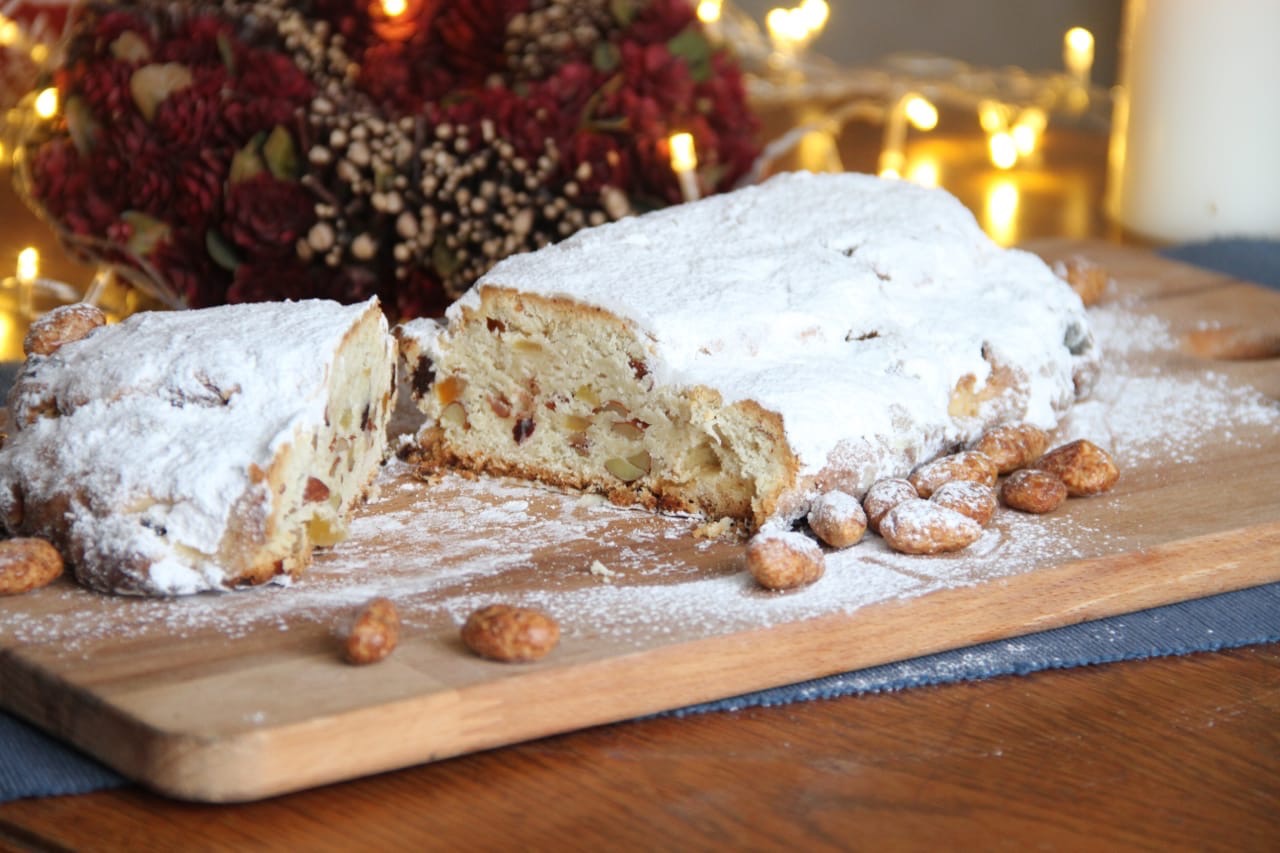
1026	33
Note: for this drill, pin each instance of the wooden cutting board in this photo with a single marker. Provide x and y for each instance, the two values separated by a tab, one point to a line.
242	696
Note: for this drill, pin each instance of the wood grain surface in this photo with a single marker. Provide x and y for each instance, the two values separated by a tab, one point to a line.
1161	754
184	715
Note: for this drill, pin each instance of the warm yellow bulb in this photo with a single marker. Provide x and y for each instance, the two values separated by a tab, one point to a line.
785	25
814	14
28	264
778	22
891	163
1024	139
47	103
1003	150
1079	41
1000	212
39	53
991	115
709	11
394	8
922	114
1077	51
9	32
683	156
923	171
1027	129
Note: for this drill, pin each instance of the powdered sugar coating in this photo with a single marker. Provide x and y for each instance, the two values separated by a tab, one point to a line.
850	305
918	526
838	507
976	500
784	560
159	420
838	519
883	496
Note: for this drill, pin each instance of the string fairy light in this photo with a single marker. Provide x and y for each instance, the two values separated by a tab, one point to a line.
1013	107
1028	129
1002	149
924	171
1077	54
922	114
791	30
46	103
709	11
1000	211
10	32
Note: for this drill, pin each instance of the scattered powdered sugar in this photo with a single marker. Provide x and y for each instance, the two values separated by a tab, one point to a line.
1141	412
1123	329
441	550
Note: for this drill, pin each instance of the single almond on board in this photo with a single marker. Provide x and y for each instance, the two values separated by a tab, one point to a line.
510	634
1033	490
374	632
784	560
27	564
1083	466
924	527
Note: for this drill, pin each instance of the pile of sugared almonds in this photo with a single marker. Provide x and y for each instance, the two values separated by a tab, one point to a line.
943	506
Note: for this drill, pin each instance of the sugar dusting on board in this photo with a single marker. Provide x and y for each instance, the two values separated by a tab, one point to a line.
441	550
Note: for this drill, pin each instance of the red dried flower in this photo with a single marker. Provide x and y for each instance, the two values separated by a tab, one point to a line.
658	21
186	267
475	35
526	123
198	183
264	217
104	86
273	76
117	22
196	41
192	117
421	295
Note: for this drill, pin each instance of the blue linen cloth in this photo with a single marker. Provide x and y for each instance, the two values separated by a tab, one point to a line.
1251	260
33	764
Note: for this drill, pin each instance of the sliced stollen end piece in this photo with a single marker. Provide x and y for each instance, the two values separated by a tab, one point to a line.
741	355
184	451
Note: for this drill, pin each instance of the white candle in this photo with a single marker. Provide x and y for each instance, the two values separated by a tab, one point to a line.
684	161
28	265
1195	143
